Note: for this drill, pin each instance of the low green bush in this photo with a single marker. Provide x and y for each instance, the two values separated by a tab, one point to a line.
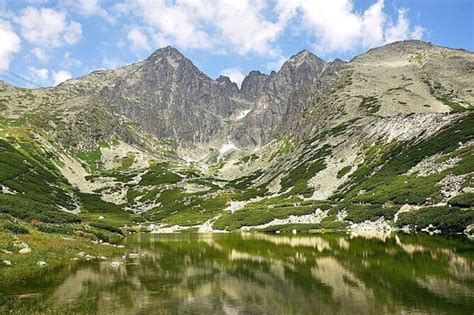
360	213
447	219
16	228
55	228
463	200
107	227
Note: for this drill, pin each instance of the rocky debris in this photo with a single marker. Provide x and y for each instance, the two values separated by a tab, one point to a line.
6	251
7	190
451	185
133	255
7	263
404	208
379	225
25	250
469	231
89	257
20	244
41	263
341	215
430	166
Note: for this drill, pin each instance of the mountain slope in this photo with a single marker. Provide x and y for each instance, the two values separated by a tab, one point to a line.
386	137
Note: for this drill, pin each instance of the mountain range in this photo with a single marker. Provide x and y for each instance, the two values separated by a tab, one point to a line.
379	142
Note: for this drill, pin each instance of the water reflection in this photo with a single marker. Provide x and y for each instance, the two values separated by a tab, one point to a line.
263	274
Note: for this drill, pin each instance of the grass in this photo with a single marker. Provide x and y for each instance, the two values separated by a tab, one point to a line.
158	174
53	249
94	207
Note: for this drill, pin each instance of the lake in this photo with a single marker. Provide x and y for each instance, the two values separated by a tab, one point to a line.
262	274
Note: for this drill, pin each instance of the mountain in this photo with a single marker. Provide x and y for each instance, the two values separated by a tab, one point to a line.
384	140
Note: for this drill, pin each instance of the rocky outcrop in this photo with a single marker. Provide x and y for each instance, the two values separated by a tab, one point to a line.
260	126
253	85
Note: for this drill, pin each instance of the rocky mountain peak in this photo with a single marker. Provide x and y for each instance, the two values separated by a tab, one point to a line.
302	58
167	51
253	85
231	87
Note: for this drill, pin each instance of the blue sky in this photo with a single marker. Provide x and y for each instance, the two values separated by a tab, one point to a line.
46	41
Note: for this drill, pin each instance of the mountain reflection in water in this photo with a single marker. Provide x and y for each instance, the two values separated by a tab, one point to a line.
263	274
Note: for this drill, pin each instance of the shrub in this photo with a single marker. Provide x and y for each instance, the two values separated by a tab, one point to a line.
447	219
54	228
463	200
107	227
360	213
16	228
343	171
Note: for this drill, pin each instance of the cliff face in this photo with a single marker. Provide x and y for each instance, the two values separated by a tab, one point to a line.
170	98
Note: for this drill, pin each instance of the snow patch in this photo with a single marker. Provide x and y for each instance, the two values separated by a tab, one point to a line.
227	147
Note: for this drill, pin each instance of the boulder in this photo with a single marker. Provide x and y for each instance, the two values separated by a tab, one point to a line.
25	250
41	263
469	231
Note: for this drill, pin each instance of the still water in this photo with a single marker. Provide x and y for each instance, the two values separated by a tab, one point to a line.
262	274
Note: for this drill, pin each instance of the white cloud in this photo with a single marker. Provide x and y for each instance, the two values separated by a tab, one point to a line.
70	62
90	8
418	32
61	76
336	26
138	39
234	74
240	26
254	26
48	28
39	76
40	54
10	44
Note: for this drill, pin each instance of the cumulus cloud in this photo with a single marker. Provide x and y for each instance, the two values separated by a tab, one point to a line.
60	76
48	28
209	24
10	44
40	54
336	26
39	76
254	26
234	74
137	39
90	8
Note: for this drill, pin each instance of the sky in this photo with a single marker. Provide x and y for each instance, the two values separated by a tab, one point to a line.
44	42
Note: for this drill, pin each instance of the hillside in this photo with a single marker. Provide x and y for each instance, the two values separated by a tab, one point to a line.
382	141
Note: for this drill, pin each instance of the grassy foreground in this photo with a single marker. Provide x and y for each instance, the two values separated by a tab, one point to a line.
54	249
